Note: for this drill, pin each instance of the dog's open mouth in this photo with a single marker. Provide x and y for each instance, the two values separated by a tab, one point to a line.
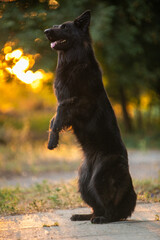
59	42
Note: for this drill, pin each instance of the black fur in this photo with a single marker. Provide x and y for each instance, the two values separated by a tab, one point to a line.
105	183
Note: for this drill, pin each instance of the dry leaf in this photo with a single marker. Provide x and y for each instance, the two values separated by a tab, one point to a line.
157	217
55	224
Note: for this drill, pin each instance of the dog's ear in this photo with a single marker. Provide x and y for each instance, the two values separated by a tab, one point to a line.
83	21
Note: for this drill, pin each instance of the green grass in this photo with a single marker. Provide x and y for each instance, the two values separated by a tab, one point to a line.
28	159
35	122
39	122
47	197
9	199
40	197
33	126
148	190
23	144
142	140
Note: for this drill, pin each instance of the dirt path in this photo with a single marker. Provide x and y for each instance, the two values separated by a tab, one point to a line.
141	226
144	164
30	180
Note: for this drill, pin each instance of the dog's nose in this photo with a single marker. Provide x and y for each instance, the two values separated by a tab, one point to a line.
46	31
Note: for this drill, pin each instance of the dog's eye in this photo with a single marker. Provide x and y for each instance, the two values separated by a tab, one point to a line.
64	26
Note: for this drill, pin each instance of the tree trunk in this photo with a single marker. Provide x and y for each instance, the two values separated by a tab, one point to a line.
126	116
139	120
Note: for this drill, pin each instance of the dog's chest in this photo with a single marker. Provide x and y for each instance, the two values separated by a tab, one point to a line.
65	86
61	90
72	81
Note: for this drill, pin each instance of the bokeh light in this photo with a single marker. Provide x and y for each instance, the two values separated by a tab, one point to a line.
19	65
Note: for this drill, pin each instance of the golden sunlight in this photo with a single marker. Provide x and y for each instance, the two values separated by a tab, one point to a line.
16	54
19	65
145	101
53	4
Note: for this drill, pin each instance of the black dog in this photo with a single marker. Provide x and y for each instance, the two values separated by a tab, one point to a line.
105	183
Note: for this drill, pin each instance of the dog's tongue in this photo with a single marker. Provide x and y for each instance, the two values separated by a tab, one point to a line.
53	44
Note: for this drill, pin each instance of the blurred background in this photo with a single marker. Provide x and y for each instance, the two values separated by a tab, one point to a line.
126	41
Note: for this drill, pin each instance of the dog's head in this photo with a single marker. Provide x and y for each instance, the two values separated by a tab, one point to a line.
68	34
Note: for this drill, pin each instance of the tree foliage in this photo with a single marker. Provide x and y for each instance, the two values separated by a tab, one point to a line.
125	37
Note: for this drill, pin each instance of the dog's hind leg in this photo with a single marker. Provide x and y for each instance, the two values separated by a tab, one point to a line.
81	217
114	187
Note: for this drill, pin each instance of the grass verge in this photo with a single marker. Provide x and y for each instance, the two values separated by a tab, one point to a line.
39	198
46	197
148	190
37	159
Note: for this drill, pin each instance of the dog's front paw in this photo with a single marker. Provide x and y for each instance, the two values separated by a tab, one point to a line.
53	140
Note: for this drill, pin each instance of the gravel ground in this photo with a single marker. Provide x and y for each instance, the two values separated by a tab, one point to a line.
58	226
